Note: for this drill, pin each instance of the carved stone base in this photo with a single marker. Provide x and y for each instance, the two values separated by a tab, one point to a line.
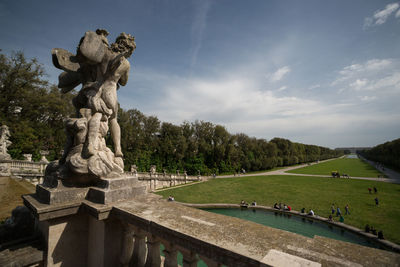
106	190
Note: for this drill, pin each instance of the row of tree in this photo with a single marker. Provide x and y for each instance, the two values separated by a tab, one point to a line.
387	153
35	112
205	147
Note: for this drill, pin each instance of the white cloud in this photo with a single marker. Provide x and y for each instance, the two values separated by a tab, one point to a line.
359	84
314	86
357	75
367	98
380	16
279	74
282	88
198	27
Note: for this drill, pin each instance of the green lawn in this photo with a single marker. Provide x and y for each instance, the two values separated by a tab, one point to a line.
308	192
354	167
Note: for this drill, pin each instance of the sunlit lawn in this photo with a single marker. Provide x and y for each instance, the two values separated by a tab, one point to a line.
353	167
308	192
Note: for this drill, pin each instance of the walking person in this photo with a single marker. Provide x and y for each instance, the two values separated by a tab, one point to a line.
347	209
338	212
333	208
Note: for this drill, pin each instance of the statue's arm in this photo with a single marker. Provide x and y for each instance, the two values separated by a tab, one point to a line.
124	70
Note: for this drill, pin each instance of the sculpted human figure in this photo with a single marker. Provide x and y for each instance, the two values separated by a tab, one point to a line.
101	69
4	142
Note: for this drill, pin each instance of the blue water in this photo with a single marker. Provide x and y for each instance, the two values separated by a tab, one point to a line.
295	224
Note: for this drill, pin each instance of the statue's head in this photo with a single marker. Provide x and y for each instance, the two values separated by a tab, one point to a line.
125	43
4	130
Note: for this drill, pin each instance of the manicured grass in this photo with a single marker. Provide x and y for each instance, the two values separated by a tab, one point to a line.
308	192
10	195
254	172
353	167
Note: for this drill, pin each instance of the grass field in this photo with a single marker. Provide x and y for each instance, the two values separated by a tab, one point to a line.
10	195
308	192
353	167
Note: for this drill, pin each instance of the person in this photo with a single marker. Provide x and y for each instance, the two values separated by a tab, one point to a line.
341	219
311	212
289	208
171	198
330	218
254	203
369	190
276	206
338	212
242	202
285	207
280	205
377	201
375	190
347	209
303	210
380	235
367	229
333	208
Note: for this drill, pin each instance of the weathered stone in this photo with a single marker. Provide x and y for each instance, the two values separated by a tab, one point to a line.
100	68
4	142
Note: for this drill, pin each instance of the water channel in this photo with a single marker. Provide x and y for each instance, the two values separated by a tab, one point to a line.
295	224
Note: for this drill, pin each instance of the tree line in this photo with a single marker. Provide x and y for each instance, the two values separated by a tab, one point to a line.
387	154
35	112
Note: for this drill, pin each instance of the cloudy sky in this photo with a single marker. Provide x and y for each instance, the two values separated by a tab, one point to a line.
316	72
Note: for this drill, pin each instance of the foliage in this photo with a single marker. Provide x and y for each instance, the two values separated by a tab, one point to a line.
387	153
353	167
33	110
309	192
205	147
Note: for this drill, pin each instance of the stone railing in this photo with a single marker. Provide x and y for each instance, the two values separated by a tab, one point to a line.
137	232
32	171
156	181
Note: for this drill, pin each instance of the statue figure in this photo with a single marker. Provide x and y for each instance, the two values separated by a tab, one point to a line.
100	68
153	169
4	142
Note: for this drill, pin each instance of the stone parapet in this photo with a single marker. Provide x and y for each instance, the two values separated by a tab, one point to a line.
129	233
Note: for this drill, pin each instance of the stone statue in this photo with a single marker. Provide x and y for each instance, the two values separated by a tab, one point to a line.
4	142
153	169
100	68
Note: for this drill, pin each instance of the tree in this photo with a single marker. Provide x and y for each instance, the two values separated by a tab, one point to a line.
33	109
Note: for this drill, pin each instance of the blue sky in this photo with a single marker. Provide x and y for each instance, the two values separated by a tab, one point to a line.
316	72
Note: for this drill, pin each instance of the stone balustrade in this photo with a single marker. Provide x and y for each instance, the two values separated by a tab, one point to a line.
29	170
156	181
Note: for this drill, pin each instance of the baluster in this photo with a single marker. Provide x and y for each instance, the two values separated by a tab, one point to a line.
210	262
139	249
153	251
127	245
171	255
189	258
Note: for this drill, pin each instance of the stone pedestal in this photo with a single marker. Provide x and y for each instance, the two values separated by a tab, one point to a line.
75	223
106	190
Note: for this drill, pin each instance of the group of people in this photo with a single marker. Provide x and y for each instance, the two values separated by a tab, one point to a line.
375	192
338	212
372	230
280	207
245	204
